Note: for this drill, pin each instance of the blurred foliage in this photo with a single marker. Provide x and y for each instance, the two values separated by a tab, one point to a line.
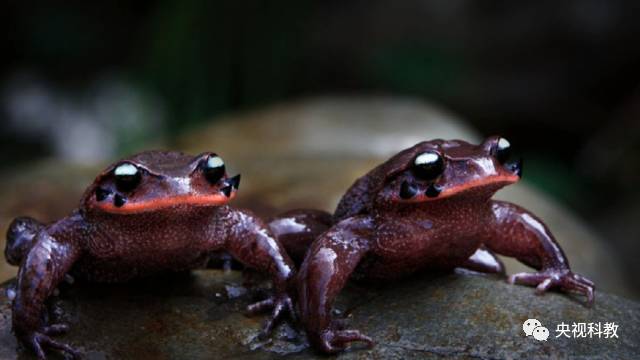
428	71
206	57
547	75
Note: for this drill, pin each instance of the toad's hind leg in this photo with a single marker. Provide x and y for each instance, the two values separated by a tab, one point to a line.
53	252
484	261
20	238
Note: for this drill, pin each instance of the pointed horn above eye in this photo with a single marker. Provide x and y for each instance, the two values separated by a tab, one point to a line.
227	190
516	167
234	181
230	185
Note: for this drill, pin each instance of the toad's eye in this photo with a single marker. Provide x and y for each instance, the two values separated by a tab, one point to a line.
502	151
428	165
213	169
127	177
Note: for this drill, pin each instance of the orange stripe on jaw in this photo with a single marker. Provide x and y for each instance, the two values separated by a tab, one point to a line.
150	205
508	179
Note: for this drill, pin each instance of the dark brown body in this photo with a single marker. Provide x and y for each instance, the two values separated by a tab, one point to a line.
402	241
394	221
151	243
173	219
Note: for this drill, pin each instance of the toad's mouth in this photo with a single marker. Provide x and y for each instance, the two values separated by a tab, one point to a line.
117	203
188	200
434	193
411	194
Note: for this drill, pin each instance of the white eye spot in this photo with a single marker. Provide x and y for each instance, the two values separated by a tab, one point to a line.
426	158
214	162
125	170
503	144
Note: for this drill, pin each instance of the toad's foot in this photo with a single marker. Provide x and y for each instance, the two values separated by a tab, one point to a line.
280	304
40	340
564	279
335	341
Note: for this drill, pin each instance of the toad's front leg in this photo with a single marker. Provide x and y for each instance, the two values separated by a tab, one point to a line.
324	272
250	241
55	249
517	233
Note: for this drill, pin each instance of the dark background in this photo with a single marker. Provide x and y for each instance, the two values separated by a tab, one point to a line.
560	79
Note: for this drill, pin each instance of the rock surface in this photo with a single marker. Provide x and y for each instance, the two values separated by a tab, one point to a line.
460	316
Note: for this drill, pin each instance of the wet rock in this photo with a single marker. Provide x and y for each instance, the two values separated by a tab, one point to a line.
457	315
